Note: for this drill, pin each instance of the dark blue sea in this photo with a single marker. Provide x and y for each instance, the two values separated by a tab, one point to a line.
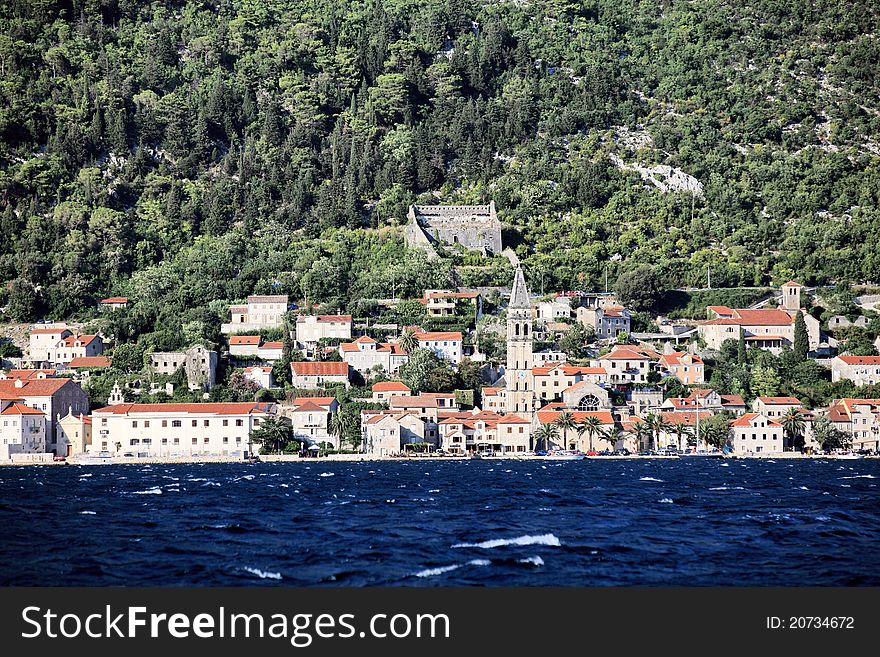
476	523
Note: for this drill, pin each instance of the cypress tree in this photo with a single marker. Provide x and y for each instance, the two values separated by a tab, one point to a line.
801	338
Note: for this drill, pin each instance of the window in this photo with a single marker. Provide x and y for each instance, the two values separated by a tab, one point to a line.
146	424
176	441
238	439
195	423
206	439
239	423
164	423
134	441
134	424
207	423
225	423
175	423
195	441
589	403
225	440
164	441
148	441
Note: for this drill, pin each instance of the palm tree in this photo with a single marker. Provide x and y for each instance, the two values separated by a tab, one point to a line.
547	433
592	426
274	434
613	435
656	424
642	433
681	429
565	421
793	424
341	426
408	341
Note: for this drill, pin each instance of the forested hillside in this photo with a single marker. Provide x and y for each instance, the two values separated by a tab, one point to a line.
184	153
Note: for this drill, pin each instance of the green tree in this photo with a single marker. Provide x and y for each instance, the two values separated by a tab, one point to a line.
801	338
592	426
640	289
765	382
546	435
565	422
793	424
828	436
273	435
573	343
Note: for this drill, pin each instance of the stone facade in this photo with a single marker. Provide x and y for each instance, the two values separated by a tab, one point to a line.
475	227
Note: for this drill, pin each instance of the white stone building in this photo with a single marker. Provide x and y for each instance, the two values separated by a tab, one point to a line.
311	374
178	429
367	356
755	433
260	311
198	362
22	430
312	328
446	344
861	370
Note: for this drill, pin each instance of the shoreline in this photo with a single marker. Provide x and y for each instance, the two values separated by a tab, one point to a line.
349	458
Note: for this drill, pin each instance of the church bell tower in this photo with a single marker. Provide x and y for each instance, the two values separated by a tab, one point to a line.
519	397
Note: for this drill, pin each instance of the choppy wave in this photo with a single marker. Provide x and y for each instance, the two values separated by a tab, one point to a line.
262	574
149	491
535	560
727	488
860	477
544	539
433	572
87	513
666	500
327	474
650	479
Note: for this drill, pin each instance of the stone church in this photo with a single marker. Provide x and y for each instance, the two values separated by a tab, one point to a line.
475	227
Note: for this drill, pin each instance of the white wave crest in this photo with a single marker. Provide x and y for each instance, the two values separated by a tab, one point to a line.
432	572
535	560
860	477
327	474
149	491
728	488
262	574
650	479
87	513
543	539
666	500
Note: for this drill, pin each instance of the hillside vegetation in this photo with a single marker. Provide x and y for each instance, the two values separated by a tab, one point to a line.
188	153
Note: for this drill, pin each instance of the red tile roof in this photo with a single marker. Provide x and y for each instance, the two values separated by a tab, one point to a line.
20	409
388	386
115	300
438	335
788	401
687	418
676	358
32	387
746	421
321	401
413	401
28	374
244	340
49	331
309	406
325	318
218	408
272	345
860	360
624	353
90	361
319	368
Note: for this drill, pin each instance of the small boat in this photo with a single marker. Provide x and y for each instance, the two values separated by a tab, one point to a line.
701	455
850	456
564	455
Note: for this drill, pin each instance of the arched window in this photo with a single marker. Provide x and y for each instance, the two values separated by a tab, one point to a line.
526	330
589	403
516	329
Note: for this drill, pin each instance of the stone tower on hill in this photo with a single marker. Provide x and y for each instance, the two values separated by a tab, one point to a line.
475	227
